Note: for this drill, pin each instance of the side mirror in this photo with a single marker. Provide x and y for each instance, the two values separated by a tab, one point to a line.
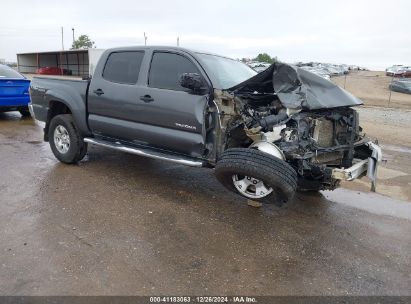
192	81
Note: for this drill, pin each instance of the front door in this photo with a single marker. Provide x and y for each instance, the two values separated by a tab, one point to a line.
173	115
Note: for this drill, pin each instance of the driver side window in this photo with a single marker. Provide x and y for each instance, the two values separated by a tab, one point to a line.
166	69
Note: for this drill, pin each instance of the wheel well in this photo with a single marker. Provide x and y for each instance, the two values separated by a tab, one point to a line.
55	108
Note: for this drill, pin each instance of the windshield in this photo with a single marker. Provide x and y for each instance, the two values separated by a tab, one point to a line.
224	72
6	72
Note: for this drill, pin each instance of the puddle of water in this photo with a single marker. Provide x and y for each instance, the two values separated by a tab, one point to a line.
371	202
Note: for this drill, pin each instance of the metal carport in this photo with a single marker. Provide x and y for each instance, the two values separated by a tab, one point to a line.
80	62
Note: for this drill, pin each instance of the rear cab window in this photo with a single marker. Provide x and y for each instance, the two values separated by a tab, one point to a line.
166	69
123	67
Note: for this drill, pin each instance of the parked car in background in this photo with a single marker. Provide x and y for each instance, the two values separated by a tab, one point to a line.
333	70
53	71
402	86
403	72
259	66
14	91
318	71
393	69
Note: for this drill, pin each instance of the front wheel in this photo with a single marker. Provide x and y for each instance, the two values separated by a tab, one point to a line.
256	175
65	141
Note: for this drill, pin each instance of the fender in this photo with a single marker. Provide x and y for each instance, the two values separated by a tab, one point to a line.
74	99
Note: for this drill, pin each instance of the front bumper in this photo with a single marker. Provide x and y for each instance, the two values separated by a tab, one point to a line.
368	165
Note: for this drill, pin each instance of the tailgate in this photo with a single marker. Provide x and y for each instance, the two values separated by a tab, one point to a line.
14	87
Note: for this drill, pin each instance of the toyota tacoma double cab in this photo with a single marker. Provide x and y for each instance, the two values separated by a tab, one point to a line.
266	135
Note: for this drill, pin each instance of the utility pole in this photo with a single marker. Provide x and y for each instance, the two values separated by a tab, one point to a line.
145	39
62	38
73	35
178	41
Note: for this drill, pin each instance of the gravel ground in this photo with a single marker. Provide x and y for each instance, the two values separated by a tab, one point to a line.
386	116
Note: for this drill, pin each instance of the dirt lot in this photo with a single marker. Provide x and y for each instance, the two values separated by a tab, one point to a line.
126	225
387	116
391	127
372	88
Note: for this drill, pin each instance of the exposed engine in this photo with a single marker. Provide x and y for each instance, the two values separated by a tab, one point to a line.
302	119
312	141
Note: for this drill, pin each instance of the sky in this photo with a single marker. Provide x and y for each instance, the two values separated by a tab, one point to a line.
374	34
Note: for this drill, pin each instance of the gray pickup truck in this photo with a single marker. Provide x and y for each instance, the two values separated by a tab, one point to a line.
266	135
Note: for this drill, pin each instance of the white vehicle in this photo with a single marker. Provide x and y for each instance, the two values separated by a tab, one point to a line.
392	70
259	66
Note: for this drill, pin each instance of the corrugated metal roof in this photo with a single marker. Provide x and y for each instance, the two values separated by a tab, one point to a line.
57	52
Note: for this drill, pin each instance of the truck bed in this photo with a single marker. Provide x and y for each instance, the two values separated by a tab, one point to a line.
47	90
68	77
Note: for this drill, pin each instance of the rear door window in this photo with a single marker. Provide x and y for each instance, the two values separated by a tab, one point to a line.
123	67
166	69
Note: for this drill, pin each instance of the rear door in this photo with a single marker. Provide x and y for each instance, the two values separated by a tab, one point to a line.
113	98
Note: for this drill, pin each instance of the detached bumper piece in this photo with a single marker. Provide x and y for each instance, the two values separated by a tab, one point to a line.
368	165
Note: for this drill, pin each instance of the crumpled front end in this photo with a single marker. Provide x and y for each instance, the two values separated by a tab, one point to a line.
297	88
308	123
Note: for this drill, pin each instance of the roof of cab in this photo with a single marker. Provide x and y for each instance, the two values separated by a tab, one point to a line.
164	48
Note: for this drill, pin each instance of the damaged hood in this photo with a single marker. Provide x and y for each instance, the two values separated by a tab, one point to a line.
297	88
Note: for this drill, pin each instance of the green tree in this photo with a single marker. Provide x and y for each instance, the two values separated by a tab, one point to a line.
83	42
264	57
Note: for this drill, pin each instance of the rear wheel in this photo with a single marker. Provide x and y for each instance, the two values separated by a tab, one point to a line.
25	112
65	141
256	175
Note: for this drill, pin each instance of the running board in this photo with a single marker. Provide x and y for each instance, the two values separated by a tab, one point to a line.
145	152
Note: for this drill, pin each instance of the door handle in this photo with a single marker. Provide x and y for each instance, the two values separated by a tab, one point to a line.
146	98
98	92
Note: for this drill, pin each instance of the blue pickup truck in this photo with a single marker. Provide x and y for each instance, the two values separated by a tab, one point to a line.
14	91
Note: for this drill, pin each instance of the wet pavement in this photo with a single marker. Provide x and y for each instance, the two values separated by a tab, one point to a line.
120	224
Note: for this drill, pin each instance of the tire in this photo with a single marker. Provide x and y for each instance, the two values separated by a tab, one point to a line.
242	166
63	126
25	112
